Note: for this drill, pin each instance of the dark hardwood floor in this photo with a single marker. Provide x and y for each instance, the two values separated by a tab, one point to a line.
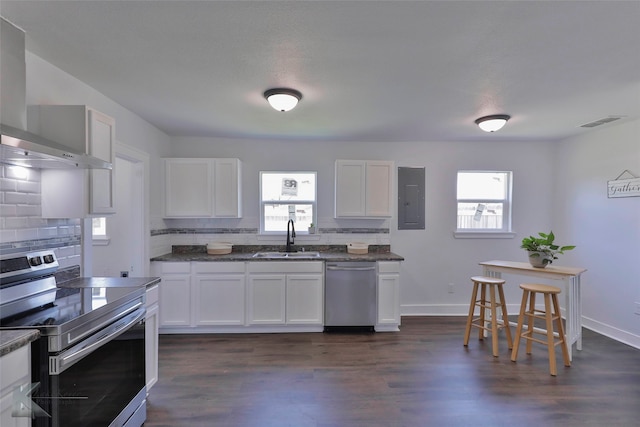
420	376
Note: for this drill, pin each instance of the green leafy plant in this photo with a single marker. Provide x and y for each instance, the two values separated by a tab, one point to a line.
544	246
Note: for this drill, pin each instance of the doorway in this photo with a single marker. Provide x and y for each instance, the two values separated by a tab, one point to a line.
124	250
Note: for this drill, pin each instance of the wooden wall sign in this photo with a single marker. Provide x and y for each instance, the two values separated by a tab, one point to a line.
628	187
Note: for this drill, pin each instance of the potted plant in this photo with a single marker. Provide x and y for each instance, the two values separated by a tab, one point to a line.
542	250
312	229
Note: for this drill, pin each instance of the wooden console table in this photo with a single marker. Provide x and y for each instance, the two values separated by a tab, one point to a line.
571	278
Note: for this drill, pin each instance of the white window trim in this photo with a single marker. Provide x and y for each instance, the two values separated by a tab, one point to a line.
506	232
265	235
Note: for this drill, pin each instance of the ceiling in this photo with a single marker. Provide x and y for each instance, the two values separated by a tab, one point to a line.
368	70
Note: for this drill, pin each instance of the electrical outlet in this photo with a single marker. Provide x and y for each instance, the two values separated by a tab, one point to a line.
637	308
124	274
450	288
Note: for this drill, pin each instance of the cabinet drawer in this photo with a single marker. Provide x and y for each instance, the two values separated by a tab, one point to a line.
219	267
388	267
286	267
175	267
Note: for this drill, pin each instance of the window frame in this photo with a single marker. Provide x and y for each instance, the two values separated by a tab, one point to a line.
262	203
507	210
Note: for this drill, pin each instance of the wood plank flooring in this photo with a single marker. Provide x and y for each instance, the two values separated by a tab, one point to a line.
420	376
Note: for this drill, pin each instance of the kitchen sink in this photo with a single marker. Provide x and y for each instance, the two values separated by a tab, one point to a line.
309	254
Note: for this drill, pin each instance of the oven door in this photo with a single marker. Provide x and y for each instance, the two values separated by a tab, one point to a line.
101	382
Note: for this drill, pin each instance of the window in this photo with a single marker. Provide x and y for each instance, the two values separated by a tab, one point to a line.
99	231
484	201
285	196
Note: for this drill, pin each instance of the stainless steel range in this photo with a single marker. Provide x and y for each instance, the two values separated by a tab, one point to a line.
88	367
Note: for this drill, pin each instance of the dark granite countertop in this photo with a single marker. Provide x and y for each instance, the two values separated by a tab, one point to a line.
198	253
110	282
11	340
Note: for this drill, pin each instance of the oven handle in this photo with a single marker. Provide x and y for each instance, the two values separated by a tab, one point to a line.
63	361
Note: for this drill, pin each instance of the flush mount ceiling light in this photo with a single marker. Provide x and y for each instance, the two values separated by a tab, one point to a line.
283	99
492	123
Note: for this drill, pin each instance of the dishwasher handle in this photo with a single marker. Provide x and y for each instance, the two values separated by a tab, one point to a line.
336	268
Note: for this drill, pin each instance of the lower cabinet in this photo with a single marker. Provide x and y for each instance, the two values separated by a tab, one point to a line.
257	296
218	293
286	293
388	295
267	299
151	335
15	371
305	299
175	293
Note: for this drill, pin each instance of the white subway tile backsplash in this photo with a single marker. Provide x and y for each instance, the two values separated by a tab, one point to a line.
47	232
16	222
8	184
28	210
28	187
26	234
8	210
7	236
16	198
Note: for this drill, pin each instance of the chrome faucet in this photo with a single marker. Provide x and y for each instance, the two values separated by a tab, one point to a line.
291	234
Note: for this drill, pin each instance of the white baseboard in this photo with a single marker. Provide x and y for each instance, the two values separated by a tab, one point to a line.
513	309
612	332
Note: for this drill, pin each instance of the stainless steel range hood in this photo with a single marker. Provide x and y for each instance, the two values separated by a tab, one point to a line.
18	146
22	148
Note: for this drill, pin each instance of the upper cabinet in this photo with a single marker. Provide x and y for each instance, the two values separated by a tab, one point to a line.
78	193
364	189
202	188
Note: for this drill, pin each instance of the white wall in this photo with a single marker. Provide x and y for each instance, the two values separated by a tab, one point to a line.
606	231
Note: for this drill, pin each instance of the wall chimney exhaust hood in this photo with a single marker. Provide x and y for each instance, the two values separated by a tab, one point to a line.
18	146
22	148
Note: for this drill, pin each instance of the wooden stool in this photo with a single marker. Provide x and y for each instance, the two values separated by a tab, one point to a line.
548	315
481	321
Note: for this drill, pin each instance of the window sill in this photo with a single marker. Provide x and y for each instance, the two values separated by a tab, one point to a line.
101	240
484	234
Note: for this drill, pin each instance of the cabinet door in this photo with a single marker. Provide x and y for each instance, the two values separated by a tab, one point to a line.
305	299
350	188
227	194
389	299
100	144
219	299
15	371
379	184
71	193
175	301
188	188
151	345
267	294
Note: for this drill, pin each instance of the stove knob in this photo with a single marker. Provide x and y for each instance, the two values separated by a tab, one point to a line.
35	261
48	259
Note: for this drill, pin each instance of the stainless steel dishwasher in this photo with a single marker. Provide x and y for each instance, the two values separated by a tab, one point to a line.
350	295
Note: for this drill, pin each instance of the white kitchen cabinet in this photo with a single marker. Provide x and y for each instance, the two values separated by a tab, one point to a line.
151	335
305	299
290	293
78	193
15	371
218	293
202	188
363	189
175	294
388	277
267	299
